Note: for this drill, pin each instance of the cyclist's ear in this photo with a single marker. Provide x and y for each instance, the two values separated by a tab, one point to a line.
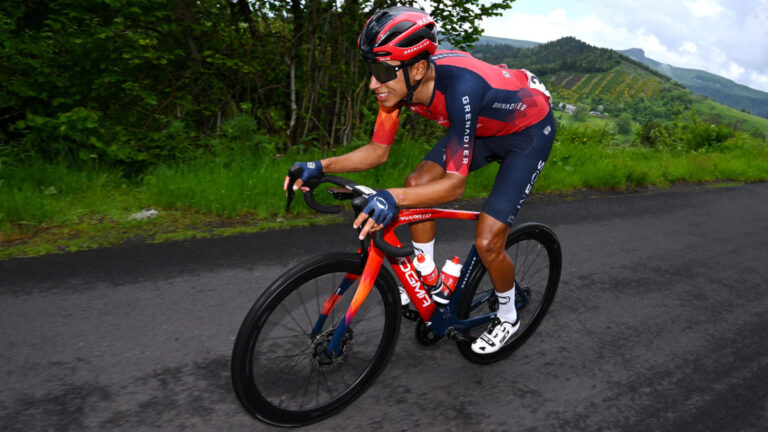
419	69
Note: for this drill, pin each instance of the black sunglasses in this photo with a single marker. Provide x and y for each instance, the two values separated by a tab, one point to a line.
384	72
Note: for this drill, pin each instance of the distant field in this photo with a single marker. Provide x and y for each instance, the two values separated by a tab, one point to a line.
622	84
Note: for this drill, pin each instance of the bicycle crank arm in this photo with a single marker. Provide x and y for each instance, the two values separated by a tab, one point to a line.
456	335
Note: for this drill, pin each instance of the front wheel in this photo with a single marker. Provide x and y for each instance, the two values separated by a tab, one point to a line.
281	371
535	251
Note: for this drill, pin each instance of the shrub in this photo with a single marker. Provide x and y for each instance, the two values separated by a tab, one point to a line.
624	124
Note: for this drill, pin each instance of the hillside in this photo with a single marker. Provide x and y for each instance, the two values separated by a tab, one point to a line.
578	73
578	70
714	86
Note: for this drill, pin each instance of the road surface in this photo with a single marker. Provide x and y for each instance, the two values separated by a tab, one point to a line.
660	323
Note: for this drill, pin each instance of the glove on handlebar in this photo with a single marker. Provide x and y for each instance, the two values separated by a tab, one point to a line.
381	207
308	169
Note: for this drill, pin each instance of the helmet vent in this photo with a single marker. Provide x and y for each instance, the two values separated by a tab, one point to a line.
414	39
394	32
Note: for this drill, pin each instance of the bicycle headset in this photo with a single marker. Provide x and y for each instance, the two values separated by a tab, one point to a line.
397	33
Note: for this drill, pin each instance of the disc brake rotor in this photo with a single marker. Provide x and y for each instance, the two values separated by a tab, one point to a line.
318	351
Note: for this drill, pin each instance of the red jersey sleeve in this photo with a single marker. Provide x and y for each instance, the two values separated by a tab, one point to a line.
386	126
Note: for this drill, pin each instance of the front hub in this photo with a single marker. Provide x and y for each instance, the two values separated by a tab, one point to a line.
318	352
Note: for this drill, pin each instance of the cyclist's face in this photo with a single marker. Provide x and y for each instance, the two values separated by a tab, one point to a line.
392	91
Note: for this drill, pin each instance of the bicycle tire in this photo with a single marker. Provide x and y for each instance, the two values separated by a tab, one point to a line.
527	245
265	387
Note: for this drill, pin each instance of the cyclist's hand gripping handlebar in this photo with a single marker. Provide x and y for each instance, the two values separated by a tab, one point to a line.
295	173
360	194
358	204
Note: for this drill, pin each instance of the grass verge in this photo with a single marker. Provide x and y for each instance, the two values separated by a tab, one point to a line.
53	208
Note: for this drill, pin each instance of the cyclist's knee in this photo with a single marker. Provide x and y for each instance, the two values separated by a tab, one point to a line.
490	247
413	179
490	238
425	172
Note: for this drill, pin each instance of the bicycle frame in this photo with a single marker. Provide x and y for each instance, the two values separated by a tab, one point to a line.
440	319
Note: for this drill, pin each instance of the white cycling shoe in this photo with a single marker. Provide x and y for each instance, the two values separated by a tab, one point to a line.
496	336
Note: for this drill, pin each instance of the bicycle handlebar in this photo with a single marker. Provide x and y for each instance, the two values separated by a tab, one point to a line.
359	195
378	240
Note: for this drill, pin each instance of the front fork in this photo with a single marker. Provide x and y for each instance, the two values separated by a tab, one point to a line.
330	303
367	279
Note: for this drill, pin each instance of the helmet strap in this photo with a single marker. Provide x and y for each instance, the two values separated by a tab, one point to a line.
411	88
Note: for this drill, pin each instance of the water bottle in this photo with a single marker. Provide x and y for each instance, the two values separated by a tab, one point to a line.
449	277
427	269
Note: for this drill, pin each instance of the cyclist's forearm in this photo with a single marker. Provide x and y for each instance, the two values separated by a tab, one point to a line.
361	159
441	191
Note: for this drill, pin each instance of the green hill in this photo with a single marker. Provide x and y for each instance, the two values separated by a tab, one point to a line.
582	70
578	73
699	82
714	86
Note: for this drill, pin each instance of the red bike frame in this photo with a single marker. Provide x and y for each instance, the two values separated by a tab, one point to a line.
403	267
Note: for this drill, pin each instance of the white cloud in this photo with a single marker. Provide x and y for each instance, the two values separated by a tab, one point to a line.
704	8
732	71
688	47
758	80
546	27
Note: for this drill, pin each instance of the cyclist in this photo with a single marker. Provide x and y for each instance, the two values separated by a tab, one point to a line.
490	112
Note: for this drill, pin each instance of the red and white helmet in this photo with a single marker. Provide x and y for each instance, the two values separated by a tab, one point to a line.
398	33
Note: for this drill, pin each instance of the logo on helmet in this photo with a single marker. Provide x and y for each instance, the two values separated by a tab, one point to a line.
421	45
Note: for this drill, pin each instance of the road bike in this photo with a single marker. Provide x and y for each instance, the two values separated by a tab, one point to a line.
310	344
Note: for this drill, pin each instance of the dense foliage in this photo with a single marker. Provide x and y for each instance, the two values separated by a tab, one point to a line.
135	82
210	101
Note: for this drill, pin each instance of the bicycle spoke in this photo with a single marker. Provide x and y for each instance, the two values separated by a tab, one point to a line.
368	318
292	336
317	298
304	308
532	276
538	255
363	333
290	315
288	370
302	386
317	388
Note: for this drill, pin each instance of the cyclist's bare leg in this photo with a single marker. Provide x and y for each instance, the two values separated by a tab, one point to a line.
425	172
490	239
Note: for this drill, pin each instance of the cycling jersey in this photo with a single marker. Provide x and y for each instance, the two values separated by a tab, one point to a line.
472	98
522	156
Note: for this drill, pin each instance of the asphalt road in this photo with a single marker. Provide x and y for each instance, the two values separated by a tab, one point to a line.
661	323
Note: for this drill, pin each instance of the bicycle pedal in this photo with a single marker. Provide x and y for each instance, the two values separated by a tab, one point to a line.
410	314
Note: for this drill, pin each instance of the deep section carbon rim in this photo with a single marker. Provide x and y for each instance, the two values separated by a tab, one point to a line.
536	253
280	370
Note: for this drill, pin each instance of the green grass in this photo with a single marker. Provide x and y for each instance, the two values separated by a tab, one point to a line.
714	112
50	208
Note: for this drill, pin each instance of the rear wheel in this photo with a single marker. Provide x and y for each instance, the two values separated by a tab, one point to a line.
535	250
280	370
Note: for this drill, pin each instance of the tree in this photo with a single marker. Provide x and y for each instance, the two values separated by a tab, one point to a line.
131	82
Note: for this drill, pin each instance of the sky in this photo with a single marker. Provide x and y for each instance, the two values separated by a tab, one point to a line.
725	37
